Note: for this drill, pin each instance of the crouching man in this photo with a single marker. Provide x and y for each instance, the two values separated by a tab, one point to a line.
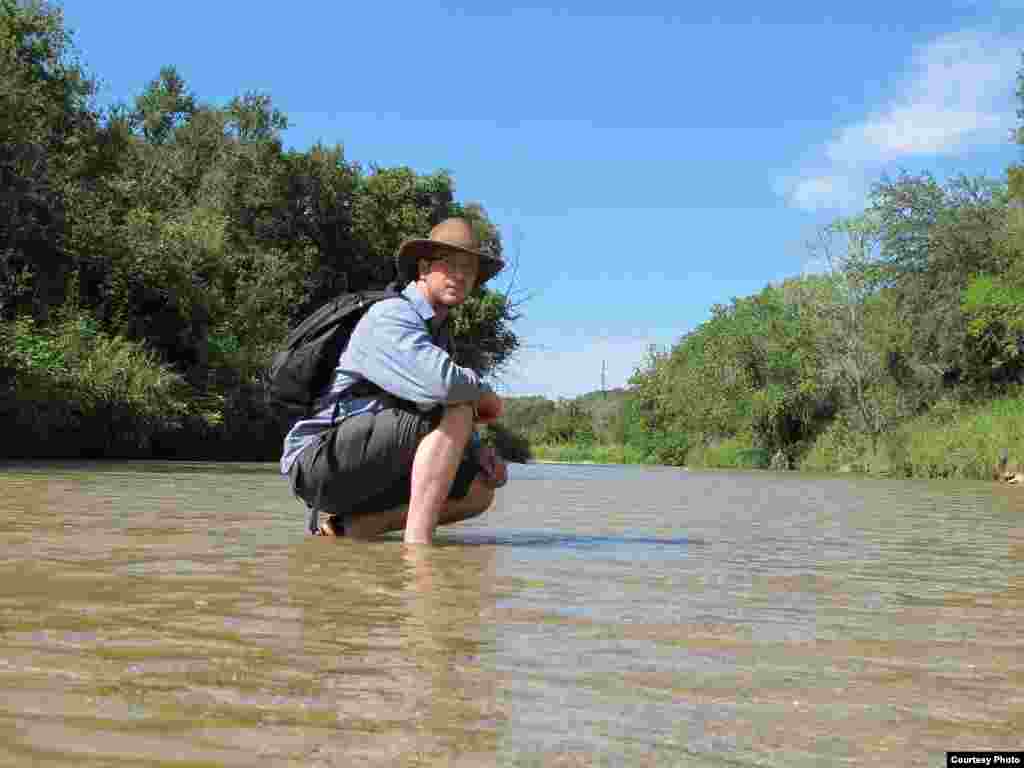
393	445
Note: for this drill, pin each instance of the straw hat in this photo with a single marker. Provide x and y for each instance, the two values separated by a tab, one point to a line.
451	234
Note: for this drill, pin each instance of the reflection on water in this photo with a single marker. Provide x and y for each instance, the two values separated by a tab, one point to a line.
175	614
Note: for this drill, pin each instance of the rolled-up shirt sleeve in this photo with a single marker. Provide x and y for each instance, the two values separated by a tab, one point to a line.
392	348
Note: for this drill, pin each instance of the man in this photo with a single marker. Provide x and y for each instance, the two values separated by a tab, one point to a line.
407	457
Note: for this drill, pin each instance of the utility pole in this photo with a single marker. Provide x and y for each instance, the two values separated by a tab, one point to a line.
604	393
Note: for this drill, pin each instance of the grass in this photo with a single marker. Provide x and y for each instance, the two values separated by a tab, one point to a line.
88	367
732	453
965	443
952	440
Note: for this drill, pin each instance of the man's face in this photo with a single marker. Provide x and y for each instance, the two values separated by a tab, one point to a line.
450	276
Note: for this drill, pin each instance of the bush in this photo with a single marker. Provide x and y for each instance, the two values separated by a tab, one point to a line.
952	440
736	452
510	445
968	446
667	447
840	446
74	391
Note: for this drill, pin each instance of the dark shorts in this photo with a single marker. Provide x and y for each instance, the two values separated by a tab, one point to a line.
364	464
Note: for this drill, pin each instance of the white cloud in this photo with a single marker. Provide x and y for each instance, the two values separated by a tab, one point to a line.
958	94
840	190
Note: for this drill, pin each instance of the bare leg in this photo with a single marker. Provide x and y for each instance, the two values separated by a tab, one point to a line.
475	502
433	470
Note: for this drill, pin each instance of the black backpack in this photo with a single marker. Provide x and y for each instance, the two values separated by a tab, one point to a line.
303	367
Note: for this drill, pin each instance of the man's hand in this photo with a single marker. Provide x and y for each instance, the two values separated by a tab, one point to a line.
489	408
494	468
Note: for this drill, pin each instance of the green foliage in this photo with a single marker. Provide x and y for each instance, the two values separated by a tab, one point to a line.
569	423
951	273
44	94
967	446
510	445
883	364
731	453
47	135
96	367
74	390
188	241
838	447
482	330
994	308
755	367
602	427
526	415
951	440
163	106
933	240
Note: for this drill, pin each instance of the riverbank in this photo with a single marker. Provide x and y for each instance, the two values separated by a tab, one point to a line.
952	441
571	453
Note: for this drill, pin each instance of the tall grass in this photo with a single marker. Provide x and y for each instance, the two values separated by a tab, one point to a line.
94	367
730	453
964	441
841	448
952	440
71	390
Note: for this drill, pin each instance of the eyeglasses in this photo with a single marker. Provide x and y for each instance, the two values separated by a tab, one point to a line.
464	263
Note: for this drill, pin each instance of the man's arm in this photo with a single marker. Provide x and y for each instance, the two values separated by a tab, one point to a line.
392	348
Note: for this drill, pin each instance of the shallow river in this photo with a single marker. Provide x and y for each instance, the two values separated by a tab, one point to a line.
176	615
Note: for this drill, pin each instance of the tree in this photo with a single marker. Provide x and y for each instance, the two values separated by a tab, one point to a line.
163	106
931	241
863	342
182	231
47	127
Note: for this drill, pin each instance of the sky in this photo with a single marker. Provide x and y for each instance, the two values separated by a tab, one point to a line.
643	161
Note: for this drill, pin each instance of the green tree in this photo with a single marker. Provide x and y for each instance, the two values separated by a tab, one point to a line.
47	129
163	106
932	240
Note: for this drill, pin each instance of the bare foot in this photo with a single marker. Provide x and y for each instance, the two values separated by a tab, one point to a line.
332	525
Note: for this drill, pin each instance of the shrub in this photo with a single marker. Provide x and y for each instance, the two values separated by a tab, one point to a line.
736	452
667	447
510	445
74	390
967	446
837	447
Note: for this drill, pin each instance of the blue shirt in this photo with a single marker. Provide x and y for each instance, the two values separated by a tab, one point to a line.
404	349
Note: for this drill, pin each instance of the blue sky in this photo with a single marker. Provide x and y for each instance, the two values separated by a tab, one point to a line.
643	161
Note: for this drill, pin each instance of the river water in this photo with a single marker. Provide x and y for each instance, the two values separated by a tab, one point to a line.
168	614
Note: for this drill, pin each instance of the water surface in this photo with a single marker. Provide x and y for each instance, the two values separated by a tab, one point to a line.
162	614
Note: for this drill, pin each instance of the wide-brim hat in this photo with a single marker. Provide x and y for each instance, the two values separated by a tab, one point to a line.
451	234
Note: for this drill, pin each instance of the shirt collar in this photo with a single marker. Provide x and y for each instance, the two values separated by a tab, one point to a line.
420	304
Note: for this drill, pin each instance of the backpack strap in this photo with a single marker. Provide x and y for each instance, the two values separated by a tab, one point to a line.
364	387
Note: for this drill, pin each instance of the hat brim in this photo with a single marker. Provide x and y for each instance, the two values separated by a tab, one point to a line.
411	251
